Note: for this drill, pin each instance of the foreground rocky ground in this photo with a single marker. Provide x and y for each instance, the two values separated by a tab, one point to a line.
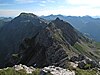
50	70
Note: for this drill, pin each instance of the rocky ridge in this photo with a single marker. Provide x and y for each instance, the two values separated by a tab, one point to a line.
52	50
40	44
56	44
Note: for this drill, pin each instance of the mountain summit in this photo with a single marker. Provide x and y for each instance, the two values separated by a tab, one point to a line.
11	35
28	15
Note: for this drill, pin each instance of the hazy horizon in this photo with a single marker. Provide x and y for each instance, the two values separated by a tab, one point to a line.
47	15
13	8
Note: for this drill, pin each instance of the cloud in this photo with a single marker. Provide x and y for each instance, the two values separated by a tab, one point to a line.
5	4
43	1
84	2
47	1
9	12
12	12
51	1
79	11
25	1
42	4
47	7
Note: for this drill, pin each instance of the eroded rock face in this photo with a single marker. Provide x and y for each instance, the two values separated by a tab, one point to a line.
44	49
49	46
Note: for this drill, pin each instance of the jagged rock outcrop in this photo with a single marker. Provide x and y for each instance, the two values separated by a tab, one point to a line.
84	62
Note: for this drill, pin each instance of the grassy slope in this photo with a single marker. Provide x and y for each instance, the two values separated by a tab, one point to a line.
85	49
11	71
98	45
87	72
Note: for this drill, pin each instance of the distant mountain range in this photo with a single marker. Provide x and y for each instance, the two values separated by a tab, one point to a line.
86	24
4	20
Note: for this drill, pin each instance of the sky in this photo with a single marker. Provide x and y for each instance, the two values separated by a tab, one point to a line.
47	7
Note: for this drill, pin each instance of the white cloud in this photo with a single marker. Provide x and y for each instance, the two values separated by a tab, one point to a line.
43	1
25	1
42	4
48	1
84	2
51	1
14	13
9	12
79	11
83	7
5	4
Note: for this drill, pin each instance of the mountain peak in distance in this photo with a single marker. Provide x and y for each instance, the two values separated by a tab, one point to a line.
57	19
28	15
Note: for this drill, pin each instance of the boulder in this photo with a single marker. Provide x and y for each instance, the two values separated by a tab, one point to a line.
81	65
74	58
81	57
28	70
57	71
73	65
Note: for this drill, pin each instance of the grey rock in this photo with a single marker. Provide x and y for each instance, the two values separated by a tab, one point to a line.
57	71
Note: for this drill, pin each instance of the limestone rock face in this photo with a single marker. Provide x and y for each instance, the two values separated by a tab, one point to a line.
57	71
28	70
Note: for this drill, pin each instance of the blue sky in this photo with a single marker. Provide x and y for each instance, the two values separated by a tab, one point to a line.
47	7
